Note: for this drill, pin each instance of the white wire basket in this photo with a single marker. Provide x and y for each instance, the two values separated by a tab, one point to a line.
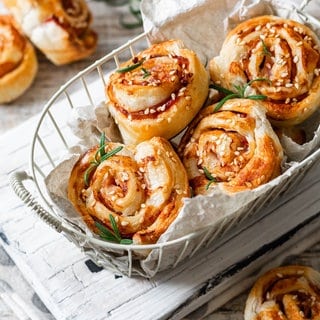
53	138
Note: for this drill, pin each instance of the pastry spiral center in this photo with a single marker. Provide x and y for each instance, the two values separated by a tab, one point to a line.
117	186
285	55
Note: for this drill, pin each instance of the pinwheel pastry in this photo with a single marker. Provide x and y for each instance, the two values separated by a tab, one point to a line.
158	92
234	147
18	61
283	293
134	192
60	29
280	59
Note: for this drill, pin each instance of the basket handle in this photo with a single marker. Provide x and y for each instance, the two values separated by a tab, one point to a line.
16	182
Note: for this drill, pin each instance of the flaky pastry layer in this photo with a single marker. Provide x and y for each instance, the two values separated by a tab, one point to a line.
142	186
285	54
158	92
288	292
60	29
18	61
234	147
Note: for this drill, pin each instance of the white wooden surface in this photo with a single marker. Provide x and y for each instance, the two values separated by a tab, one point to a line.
59	274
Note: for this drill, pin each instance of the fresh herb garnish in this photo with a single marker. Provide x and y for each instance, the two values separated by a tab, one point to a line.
266	51
240	92
209	176
100	156
146	73
112	235
130	67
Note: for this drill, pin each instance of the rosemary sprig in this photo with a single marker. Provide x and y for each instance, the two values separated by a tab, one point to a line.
209	176
240	92
112	235
130	67
100	156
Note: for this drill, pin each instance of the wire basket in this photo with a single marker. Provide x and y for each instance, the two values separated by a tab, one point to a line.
53	138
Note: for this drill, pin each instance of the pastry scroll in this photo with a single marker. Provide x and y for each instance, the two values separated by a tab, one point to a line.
234	147
18	61
60	29
141	186
158	92
282	52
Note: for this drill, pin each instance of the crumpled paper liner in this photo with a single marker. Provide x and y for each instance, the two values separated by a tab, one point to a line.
202	25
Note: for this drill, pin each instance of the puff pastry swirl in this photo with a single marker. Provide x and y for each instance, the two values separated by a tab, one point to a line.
235	147
60	29
18	61
142	186
285	53
288	292
159	94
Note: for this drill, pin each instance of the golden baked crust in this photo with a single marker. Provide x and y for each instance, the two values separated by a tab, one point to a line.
285	53
142	186
60	29
235	147
161	95
18	61
288	292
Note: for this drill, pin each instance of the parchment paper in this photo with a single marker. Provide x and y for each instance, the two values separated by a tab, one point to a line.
202	25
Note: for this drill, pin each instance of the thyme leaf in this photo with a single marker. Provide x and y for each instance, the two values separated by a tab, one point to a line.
111	235
209	176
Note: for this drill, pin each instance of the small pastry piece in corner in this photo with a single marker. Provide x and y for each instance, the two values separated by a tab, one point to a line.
234	147
157	92
287	292
142	187
280	58
60	29
18	61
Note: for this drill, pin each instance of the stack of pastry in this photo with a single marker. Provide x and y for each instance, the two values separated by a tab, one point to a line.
267	74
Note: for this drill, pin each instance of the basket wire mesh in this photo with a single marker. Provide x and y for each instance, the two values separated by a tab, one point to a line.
53	138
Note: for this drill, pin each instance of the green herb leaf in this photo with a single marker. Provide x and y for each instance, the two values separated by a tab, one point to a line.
130	67
240	92
257	97
111	153
114	235
221	89
115	227
100	156
102	145
226	98
87	173
266	51
209	176
146	73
